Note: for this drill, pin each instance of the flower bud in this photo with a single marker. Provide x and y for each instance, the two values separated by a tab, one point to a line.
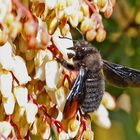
101	35
86	25
74	19
90	35
109	10
102	4
52	25
85	9
80	16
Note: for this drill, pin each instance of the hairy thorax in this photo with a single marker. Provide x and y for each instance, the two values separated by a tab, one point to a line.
93	62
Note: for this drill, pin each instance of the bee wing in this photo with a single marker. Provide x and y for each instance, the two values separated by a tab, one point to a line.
76	91
121	76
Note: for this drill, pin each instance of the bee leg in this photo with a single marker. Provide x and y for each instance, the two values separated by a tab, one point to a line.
65	64
76	92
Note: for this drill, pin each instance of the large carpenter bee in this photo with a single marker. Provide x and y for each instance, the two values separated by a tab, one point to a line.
88	88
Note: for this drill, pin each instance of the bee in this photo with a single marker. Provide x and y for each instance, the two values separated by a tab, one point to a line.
89	86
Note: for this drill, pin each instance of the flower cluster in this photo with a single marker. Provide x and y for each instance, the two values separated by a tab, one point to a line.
33	85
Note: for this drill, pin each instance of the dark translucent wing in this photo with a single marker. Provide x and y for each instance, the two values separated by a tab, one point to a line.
76	90
121	76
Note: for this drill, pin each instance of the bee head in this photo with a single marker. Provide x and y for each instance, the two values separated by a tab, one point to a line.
81	49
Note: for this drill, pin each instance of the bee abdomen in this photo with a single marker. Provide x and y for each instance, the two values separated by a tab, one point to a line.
93	92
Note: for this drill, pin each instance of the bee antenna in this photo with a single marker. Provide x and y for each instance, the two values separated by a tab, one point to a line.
80	33
67	38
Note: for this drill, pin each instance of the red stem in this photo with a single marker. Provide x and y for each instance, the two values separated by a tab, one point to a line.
91	5
44	109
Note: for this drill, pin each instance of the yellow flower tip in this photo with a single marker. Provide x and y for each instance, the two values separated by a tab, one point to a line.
108	12
52	25
65	30
86	25
102	4
73	127
108	101
74	19
88	135
85	9
61	4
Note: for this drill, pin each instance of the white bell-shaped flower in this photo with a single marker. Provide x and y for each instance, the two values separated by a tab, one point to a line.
6	59
40	60
31	111
21	94
101	117
6	83
20	71
108	101
5	129
9	104
52	75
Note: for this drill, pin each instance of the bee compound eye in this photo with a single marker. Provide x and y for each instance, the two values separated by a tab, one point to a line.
70	55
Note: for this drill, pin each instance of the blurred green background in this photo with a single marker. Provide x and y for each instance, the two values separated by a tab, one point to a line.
122	46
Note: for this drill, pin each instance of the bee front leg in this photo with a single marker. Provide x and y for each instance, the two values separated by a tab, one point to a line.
65	64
